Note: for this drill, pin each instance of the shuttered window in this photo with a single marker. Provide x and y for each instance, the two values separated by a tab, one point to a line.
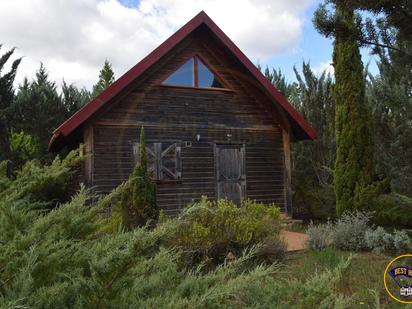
164	161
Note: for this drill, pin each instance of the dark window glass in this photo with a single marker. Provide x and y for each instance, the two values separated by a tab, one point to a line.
183	75
205	77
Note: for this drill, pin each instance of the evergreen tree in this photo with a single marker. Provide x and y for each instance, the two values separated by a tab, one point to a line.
106	78
6	100
390	99
38	108
279	81
73	98
354	137
390	23
138	202
313	160
312	176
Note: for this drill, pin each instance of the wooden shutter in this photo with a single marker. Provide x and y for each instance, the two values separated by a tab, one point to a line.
164	160
170	166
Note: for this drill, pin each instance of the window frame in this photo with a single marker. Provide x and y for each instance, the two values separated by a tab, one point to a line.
195	57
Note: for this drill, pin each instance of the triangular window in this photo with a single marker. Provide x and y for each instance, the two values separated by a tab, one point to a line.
183	76
194	73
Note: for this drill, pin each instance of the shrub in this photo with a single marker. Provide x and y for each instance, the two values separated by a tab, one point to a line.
392	210
401	241
37	182
271	249
319	236
310	202
349	231
389	208
353	232
379	240
4	175
210	229
65	258
138	201
24	147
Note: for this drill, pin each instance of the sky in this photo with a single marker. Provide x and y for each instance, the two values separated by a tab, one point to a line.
73	38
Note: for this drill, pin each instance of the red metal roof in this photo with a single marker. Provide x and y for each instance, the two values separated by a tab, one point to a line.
202	18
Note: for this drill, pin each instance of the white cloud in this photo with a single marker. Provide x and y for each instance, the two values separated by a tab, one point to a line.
325	66
73	38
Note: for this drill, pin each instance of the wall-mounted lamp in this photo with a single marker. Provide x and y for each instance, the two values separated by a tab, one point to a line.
229	135
197	137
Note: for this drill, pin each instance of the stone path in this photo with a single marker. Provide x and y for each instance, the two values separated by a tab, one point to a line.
295	241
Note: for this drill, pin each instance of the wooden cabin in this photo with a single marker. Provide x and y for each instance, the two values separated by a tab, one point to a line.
214	125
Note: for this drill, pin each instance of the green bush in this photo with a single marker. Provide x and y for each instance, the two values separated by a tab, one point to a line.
138	200
63	260
75	257
313	202
389	208
50	184
24	147
4	173
392	210
210	229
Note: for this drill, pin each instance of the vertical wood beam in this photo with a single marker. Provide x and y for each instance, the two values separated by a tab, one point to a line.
287	172
195	72
158	160
88	152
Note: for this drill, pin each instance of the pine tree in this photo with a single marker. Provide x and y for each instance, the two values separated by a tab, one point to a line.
313	160
354	137
38	108
390	99
6	99
389	22
138	202
73	98
106	78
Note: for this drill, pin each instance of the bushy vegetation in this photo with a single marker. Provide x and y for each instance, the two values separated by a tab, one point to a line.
319	236
34	182
210	230
389	208
355	232
73	256
379	240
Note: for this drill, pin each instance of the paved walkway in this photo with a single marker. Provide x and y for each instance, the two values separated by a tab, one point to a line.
295	241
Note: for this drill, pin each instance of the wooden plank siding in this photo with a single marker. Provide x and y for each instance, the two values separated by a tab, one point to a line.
264	163
243	115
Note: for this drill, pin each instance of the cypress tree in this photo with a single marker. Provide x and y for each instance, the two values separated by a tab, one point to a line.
6	100
354	137
138	201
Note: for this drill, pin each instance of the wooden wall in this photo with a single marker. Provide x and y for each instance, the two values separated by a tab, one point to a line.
242	115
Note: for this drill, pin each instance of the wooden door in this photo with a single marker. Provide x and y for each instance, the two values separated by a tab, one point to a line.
230	172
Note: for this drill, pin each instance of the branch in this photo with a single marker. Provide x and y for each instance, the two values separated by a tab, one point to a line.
363	41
